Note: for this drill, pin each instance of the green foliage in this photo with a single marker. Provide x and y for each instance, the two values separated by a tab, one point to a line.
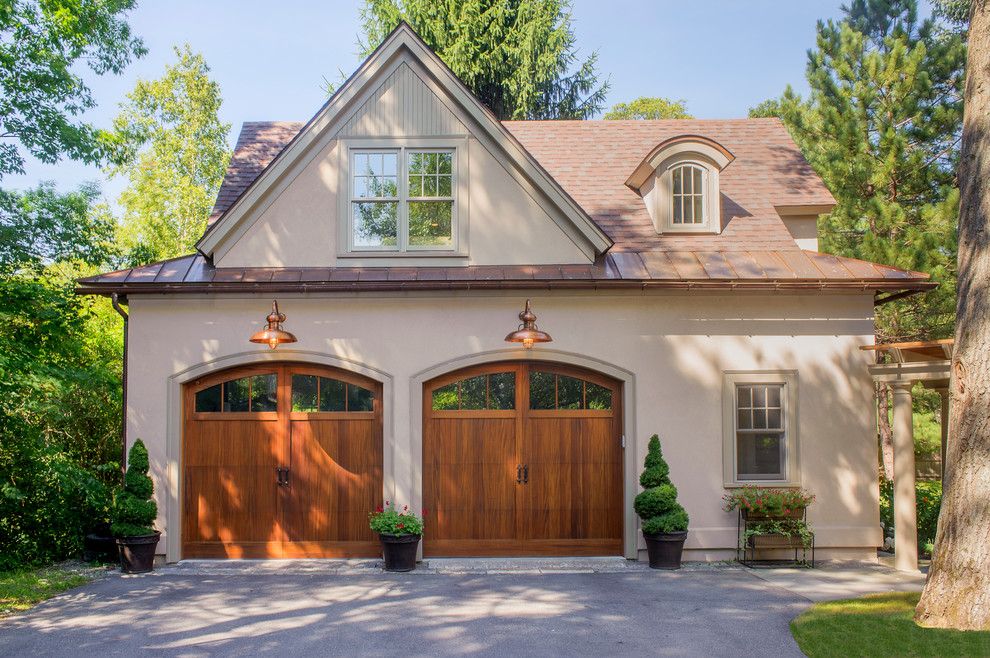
134	510
929	501
390	521
768	502
676	520
649	107
44	46
795	528
657	505
41	226
882	127
174	153
879	626
518	56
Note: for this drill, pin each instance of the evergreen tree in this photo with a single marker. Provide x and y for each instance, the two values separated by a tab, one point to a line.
134	508
517	56
882	127
175	158
649	107
657	504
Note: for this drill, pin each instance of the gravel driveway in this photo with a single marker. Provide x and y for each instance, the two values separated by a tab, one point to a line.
710	612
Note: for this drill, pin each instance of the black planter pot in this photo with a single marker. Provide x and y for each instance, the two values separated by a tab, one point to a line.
137	554
665	549
399	551
98	547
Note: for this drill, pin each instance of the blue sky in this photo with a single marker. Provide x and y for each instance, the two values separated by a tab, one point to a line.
721	56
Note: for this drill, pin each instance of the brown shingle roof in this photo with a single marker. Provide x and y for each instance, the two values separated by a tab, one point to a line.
592	160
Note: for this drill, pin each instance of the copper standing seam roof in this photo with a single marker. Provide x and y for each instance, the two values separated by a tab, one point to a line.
757	271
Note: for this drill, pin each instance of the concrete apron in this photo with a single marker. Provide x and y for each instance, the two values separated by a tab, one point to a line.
830	581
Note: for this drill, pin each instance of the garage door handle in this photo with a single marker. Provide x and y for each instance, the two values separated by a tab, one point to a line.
526	474
519	474
282	476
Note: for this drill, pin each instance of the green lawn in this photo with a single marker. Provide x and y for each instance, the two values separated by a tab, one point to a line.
879	625
21	589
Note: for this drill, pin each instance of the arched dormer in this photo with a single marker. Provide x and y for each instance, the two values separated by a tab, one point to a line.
678	181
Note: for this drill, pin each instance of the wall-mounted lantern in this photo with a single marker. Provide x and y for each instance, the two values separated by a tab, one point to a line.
528	333
273	335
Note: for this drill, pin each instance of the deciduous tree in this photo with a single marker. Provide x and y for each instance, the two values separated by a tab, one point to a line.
957	593
518	56
43	46
176	155
649	107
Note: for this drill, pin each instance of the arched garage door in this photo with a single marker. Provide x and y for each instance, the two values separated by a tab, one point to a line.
281	461
522	459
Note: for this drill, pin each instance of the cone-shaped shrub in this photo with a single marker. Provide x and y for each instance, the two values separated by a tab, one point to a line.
134	510
657	505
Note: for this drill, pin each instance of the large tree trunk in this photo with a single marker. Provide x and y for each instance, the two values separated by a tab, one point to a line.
957	594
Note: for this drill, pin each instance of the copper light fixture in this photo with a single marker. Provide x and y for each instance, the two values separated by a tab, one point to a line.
273	335
528	333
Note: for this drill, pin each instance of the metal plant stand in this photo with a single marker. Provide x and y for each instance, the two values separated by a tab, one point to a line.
747	547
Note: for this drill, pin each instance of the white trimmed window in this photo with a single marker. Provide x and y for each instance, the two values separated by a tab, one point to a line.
403	199
687	196
760	423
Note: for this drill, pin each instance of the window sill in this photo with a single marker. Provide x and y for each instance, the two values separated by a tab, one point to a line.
415	253
766	484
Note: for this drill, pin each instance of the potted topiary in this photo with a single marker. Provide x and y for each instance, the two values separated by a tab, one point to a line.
399	533
664	521
134	512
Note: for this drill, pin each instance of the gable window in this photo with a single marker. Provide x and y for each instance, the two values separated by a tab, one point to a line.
760	421
687	195
403	199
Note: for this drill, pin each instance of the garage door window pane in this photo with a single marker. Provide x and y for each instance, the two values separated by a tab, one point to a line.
305	391
263	393
359	399
597	397
570	392
237	395
473	392
542	390
208	400
333	396
502	390
445	397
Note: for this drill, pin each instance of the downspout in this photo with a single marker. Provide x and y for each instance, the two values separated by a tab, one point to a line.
115	301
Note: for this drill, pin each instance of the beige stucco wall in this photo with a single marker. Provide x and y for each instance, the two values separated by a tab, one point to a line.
804	230
670	350
296	223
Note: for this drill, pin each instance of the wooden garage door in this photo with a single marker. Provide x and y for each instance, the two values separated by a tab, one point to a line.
281	461
522	459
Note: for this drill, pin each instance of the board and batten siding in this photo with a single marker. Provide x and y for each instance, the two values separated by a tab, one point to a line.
402	106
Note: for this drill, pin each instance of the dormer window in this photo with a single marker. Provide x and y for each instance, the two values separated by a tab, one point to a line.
687	196
678	182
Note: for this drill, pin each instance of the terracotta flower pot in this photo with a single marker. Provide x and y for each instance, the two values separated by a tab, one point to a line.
665	549
137	554
399	551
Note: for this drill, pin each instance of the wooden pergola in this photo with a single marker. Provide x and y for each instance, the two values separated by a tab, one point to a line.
927	363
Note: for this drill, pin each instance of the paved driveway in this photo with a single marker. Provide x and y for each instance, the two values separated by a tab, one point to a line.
181	611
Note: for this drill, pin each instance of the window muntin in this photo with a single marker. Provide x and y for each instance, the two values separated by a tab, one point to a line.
403	199
687	195
494	391
549	390
252	394
314	394
761	433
